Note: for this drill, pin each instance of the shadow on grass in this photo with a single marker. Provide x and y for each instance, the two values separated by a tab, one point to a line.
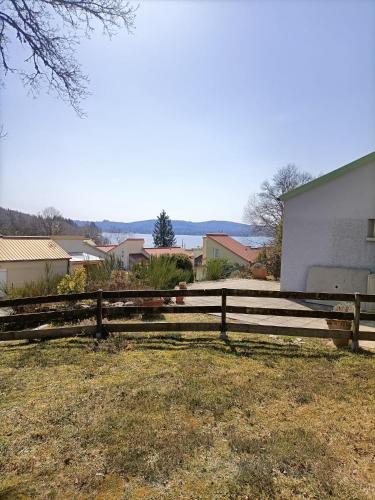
252	348
237	348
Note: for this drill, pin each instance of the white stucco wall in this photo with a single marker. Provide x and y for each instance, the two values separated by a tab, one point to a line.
19	272
327	226
126	248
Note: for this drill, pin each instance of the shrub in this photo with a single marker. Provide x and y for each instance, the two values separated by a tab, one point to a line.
103	272
75	283
270	257
184	263
239	271
217	269
159	273
119	280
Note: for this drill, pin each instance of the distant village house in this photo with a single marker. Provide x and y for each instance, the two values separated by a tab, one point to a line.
222	246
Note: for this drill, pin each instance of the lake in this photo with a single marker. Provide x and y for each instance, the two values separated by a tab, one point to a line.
186	240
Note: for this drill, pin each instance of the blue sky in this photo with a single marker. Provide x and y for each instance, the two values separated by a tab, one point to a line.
195	109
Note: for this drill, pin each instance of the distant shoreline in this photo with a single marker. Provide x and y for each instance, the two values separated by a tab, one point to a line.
185	240
180	227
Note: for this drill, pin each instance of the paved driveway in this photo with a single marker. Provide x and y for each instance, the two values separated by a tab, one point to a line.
250	284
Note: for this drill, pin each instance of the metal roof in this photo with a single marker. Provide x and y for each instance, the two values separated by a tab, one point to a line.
21	249
327	177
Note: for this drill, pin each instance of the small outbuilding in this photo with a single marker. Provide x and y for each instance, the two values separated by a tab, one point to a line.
24	258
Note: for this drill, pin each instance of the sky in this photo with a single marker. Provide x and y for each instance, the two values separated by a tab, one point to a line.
197	107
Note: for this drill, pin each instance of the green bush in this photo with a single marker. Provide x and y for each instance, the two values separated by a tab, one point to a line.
159	273
217	269
184	263
47	285
75	283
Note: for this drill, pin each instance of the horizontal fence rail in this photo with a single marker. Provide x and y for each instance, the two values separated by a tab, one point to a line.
20	323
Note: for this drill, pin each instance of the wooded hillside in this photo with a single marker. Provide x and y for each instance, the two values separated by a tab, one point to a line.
49	222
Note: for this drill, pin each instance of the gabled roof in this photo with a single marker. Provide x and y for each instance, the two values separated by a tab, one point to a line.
327	177
13	248
234	246
105	248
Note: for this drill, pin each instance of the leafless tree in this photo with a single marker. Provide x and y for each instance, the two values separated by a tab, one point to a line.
52	221
265	208
50	31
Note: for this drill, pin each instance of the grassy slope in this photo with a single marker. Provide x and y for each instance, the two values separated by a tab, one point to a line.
185	418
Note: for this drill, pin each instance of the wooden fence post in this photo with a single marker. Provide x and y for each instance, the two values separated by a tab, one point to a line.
223	329
99	316
355	324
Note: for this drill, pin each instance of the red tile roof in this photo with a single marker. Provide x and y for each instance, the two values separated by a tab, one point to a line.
105	248
154	252
247	253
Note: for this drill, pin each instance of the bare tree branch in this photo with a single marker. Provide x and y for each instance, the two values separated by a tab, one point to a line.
265	208
50	31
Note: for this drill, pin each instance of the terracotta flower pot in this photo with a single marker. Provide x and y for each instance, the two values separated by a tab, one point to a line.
153	302
340	324
258	271
182	286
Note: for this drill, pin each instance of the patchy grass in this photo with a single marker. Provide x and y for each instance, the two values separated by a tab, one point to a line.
186	416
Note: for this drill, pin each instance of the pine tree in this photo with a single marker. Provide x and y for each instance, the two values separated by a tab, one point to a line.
163	233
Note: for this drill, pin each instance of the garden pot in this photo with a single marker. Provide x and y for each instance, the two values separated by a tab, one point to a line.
258	271
182	286
152	302
340	324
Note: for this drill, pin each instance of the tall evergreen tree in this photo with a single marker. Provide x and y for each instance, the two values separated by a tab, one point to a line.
163	233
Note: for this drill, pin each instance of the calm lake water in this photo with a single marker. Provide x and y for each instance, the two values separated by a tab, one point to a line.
186	240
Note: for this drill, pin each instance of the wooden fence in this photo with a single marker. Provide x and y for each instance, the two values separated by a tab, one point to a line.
18	326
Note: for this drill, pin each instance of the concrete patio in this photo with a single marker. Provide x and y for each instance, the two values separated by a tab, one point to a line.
251	284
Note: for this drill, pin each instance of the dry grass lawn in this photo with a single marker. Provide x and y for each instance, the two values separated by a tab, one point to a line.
186	416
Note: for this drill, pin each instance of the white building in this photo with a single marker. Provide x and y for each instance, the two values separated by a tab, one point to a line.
30	258
82	251
329	231
129	251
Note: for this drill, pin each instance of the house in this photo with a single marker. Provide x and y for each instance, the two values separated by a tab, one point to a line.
329	231
105	248
222	246
132	251
129	251
83	252
26	258
78	245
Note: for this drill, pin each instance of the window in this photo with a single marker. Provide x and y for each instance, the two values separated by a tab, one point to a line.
216	253
371	229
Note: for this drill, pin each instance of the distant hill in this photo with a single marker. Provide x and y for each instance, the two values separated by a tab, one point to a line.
179	226
15	223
